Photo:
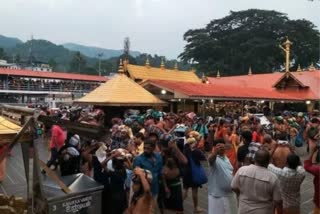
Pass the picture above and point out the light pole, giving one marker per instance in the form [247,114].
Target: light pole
[99,57]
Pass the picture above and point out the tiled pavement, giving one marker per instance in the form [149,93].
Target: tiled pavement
[15,183]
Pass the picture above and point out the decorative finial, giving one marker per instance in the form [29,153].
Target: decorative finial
[287,44]
[125,64]
[147,62]
[218,74]
[120,68]
[162,66]
[311,67]
[176,66]
[250,71]
[299,68]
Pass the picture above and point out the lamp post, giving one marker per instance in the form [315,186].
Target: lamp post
[99,57]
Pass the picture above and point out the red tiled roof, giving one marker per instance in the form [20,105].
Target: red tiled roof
[311,79]
[51,75]
[199,90]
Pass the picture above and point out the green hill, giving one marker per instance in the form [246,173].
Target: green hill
[45,51]
[94,51]
[6,42]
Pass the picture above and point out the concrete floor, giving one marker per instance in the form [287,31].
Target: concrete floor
[15,183]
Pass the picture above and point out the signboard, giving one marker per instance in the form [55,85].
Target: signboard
[83,204]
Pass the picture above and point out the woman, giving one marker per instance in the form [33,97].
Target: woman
[193,154]
[172,186]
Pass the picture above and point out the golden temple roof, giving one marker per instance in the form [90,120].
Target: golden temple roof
[145,73]
[7,127]
[120,91]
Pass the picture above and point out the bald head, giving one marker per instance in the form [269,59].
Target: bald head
[267,138]
[262,158]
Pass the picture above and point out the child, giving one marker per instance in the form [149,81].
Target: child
[142,201]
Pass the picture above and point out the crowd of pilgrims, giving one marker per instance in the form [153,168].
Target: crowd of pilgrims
[151,163]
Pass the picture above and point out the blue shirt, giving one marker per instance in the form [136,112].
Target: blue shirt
[154,165]
[220,177]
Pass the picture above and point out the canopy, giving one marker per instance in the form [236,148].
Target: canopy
[120,91]
[7,127]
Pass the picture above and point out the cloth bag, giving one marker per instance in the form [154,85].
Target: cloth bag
[199,176]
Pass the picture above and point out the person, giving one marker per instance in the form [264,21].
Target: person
[243,150]
[268,143]
[139,144]
[172,186]
[141,201]
[221,199]
[313,130]
[58,137]
[257,188]
[70,157]
[152,161]
[312,167]
[291,178]
[170,195]
[193,154]
[201,128]
[281,151]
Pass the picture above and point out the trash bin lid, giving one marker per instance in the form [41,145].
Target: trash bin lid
[77,183]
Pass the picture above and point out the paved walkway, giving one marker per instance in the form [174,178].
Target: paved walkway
[15,183]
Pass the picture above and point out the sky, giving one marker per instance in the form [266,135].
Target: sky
[153,26]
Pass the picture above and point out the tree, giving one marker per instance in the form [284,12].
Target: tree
[78,63]
[2,53]
[250,38]
[53,64]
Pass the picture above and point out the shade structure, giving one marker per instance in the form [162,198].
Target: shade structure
[120,91]
[7,127]
[8,130]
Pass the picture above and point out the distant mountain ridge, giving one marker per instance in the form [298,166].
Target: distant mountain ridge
[91,51]
[8,42]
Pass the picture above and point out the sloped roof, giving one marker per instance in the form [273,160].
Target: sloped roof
[7,127]
[255,80]
[51,75]
[146,73]
[198,90]
[310,79]
[120,91]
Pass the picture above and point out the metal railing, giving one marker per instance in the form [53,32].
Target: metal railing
[47,88]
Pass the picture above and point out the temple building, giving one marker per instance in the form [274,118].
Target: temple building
[186,91]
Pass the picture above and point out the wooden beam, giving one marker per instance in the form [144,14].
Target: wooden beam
[54,176]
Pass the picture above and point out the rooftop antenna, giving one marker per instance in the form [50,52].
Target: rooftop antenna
[30,50]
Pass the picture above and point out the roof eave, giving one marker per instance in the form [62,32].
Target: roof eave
[120,104]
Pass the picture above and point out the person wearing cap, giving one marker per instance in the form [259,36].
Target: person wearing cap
[221,199]
[142,201]
[192,152]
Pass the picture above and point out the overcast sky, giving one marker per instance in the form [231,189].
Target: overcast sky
[154,26]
